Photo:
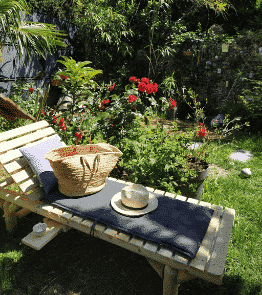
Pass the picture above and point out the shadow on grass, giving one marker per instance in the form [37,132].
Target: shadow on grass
[75,263]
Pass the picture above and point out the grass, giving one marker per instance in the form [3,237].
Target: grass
[74,263]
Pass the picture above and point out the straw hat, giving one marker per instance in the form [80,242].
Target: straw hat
[134,200]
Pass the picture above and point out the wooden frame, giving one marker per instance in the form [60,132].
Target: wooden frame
[174,267]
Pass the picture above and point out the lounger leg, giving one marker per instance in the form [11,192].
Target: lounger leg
[170,285]
[10,217]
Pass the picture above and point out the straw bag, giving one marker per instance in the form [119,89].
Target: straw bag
[82,170]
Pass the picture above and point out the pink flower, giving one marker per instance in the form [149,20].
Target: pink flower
[132,79]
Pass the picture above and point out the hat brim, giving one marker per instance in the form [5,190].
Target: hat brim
[117,205]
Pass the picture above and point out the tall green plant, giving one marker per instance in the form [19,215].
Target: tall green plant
[75,77]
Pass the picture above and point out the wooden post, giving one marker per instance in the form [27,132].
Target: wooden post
[170,285]
[10,217]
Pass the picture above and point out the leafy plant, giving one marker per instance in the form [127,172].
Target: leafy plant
[75,76]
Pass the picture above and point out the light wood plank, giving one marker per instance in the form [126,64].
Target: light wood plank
[121,181]
[157,191]
[150,189]
[37,243]
[23,130]
[181,198]
[204,252]
[29,185]
[216,263]
[193,201]
[22,175]
[10,156]
[6,182]
[170,195]
[205,204]
[21,141]
[16,165]
[14,154]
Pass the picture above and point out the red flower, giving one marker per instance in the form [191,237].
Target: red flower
[200,124]
[81,120]
[111,88]
[43,113]
[4,123]
[173,104]
[112,125]
[132,98]
[63,127]
[132,79]
[149,88]
[31,90]
[202,132]
[78,134]
[155,87]
[63,77]
[54,121]
[145,80]
[142,86]
[54,117]
[170,99]
[61,122]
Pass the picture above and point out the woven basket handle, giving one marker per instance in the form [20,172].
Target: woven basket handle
[95,166]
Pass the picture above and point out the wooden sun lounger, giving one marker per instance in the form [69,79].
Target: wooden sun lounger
[173,267]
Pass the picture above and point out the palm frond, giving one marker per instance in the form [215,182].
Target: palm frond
[36,37]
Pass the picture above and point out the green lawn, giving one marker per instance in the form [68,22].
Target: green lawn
[74,263]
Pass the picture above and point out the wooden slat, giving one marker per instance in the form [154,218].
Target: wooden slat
[29,185]
[38,243]
[22,175]
[22,130]
[170,195]
[6,182]
[193,201]
[216,263]
[16,165]
[204,252]
[10,156]
[14,154]
[21,141]
[181,198]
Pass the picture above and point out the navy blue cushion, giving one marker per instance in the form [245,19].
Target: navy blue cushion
[178,225]
[40,166]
